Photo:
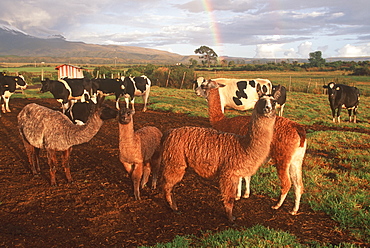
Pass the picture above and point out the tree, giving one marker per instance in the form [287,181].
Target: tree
[207,53]
[316,59]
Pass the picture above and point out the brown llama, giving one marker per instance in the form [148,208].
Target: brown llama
[44,128]
[138,150]
[287,148]
[214,154]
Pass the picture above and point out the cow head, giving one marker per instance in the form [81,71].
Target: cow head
[45,85]
[332,89]
[21,82]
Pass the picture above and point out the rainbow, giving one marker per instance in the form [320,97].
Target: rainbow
[213,23]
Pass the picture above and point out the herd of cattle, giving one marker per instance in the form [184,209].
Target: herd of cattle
[77,96]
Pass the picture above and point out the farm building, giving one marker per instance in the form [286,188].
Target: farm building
[69,71]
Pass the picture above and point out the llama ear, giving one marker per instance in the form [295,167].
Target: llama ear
[277,93]
[100,101]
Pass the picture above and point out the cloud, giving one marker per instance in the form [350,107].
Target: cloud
[305,48]
[354,51]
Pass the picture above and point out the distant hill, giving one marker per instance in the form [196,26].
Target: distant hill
[17,46]
[17,43]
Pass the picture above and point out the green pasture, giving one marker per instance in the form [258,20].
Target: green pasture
[336,167]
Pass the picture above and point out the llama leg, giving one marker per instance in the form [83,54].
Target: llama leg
[65,162]
[155,165]
[52,161]
[171,176]
[247,187]
[296,176]
[36,159]
[146,173]
[239,191]
[136,176]
[30,151]
[228,187]
[285,183]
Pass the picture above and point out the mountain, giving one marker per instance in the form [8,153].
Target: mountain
[18,46]
[14,42]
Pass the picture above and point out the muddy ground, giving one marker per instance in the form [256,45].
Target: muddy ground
[99,210]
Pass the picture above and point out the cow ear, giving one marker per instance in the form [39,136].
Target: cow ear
[221,85]
[277,92]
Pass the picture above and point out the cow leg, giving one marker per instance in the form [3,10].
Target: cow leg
[145,99]
[117,103]
[65,162]
[127,102]
[6,101]
[338,113]
[133,103]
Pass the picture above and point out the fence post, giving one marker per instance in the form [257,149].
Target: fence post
[183,78]
[168,77]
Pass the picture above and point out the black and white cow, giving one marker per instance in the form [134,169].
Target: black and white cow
[340,96]
[108,86]
[68,91]
[8,86]
[279,93]
[240,94]
[136,86]
[79,112]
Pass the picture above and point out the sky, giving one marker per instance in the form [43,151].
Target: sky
[236,28]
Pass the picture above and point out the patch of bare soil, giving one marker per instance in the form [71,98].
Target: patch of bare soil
[99,210]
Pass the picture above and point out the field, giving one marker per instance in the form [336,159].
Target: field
[99,209]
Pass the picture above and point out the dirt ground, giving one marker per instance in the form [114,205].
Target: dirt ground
[99,210]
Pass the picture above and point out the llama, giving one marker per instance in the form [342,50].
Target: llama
[215,154]
[138,150]
[44,128]
[287,148]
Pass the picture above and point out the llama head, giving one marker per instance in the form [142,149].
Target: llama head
[125,115]
[206,86]
[265,106]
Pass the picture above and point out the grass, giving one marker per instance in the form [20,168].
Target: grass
[336,167]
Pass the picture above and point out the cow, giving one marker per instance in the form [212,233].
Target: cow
[107,86]
[279,93]
[8,86]
[136,86]
[340,96]
[79,112]
[240,94]
[68,91]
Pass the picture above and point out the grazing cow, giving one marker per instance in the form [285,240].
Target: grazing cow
[240,94]
[79,112]
[8,86]
[136,86]
[279,93]
[108,86]
[68,91]
[340,96]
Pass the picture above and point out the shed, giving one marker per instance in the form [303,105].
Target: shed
[69,71]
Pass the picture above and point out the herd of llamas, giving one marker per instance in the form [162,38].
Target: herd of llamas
[232,150]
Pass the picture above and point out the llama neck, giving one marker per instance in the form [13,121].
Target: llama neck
[84,133]
[258,140]
[214,106]
[126,134]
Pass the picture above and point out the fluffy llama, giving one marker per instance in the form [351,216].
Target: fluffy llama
[138,151]
[214,154]
[44,128]
[287,148]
